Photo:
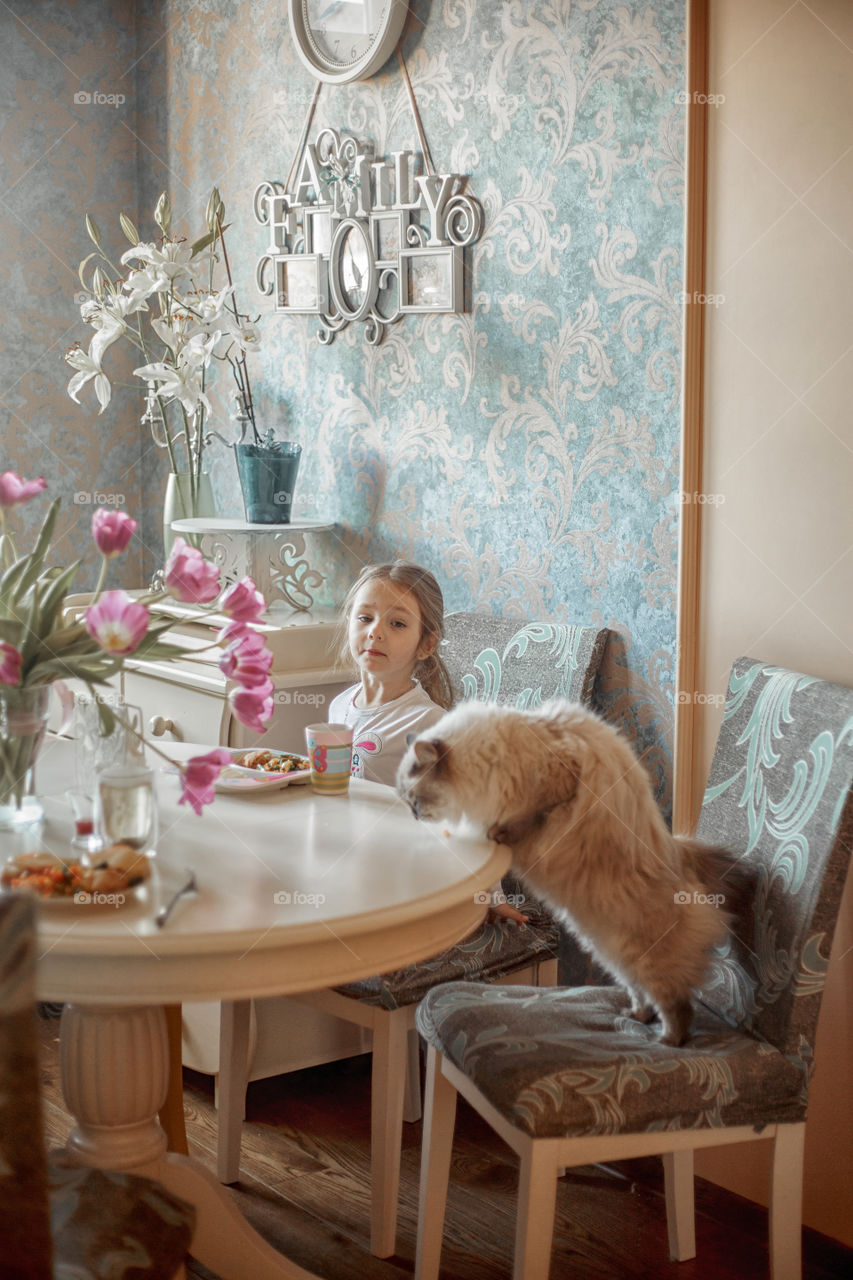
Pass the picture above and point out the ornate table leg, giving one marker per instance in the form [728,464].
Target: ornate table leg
[114,1065]
[111,1094]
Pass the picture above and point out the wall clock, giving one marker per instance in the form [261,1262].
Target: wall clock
[343,40]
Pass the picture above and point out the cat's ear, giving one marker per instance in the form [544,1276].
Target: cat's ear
[429,751]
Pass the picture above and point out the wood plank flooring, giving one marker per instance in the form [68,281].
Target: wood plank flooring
[303,1186]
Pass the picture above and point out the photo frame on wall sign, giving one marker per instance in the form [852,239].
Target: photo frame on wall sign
[360,239]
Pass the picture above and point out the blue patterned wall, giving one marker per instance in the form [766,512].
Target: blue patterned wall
[526,451]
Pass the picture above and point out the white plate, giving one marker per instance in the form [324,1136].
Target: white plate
[236,782]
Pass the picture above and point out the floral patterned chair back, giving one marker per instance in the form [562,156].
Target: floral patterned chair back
[779,793]
[520,664]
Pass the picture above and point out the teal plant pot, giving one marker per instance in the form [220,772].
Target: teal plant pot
[268,477]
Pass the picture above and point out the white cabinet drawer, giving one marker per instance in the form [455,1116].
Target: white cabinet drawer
[172,711]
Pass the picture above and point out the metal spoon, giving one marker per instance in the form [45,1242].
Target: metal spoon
[189,887]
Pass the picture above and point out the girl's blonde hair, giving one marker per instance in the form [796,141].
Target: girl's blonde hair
[431,672]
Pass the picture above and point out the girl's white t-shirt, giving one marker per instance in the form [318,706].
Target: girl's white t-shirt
[379,733]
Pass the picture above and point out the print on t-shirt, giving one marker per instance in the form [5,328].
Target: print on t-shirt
[366,742]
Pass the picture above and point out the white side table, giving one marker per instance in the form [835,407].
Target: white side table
[272,555]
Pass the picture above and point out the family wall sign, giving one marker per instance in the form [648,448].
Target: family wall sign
[361,239]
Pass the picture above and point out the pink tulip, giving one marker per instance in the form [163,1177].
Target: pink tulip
[10,664]
[253,707]
[247,662]
[14,491]
[198,778]
[243,602]
[112,531]
[189,577]
[117,622]
[234,631]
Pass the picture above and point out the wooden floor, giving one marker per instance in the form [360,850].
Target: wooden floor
[304,1176]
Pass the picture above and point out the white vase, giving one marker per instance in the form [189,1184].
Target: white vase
[178,504]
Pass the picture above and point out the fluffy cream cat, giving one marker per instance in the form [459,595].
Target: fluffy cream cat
[567,794]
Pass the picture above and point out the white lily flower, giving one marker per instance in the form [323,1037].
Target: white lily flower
[176,383]
[212,309]
[189,324]
[88,363]
[171,262]
[88,369]
[141,284]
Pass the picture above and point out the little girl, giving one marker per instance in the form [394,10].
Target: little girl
[394,619]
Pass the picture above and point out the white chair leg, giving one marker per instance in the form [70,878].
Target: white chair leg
[680,1214]
[412,1109]
[786,1203]
[537,1201]
[388,1085]
[231,1086]
[439,1118]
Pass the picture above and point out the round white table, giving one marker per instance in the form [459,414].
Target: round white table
[296,892]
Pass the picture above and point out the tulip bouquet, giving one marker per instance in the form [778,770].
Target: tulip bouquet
[40,644]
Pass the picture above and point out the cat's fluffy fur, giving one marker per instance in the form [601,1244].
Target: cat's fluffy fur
[567,794]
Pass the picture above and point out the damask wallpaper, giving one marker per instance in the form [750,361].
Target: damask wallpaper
[526,451]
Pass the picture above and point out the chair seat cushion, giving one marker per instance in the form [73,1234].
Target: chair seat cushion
[494,951]
[115,1224]
[568,1062]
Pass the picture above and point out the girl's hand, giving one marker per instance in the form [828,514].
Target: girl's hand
[504,912]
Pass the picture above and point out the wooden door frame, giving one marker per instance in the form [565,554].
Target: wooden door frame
[686,793]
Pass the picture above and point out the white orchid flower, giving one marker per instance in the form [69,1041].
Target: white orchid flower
[250,334]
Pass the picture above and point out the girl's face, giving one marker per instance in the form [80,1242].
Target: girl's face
[385,631]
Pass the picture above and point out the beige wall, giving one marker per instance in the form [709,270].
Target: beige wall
[777,549]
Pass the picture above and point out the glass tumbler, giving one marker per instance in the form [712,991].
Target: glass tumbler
[126,806]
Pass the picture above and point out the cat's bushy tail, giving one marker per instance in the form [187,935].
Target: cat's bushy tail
[722,872]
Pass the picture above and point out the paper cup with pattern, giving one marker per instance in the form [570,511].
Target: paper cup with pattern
[330,752]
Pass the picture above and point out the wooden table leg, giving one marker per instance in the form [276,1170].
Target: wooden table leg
[172,1110]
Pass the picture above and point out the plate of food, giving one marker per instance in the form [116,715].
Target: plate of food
[117,876]
[262,769]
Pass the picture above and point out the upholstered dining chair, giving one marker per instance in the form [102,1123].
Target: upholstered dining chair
[567,1078]
[58,1218]
[490,659]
